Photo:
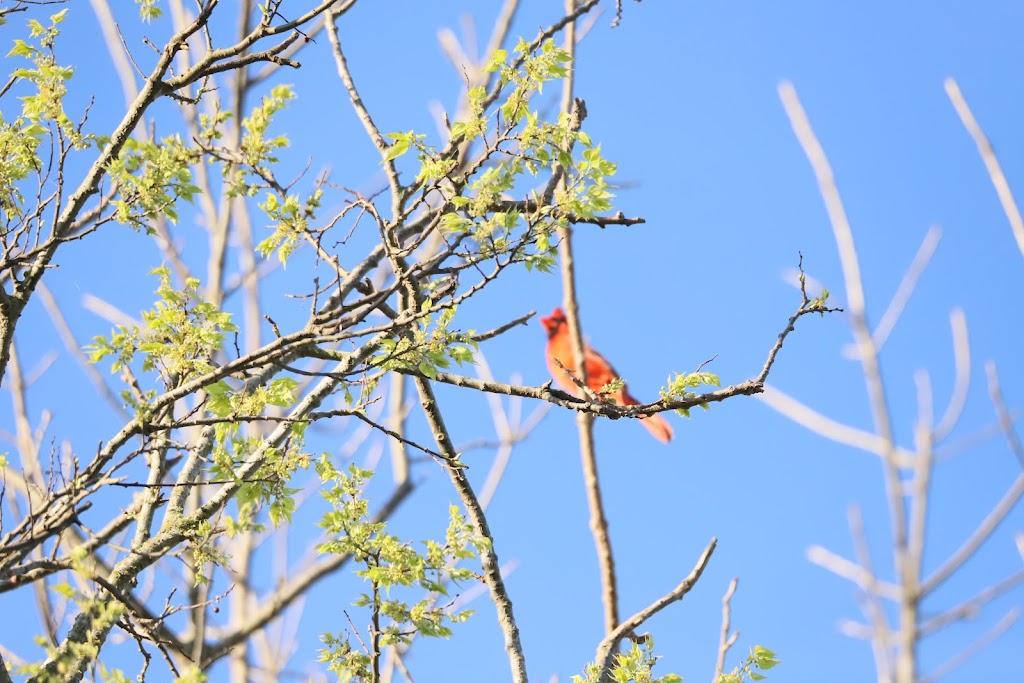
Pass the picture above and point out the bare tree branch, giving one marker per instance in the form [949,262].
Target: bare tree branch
[986,639]
[868,356]
[725,639]
[488,557]
[988,156]
[606,650]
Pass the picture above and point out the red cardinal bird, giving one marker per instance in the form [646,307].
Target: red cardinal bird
[599,372]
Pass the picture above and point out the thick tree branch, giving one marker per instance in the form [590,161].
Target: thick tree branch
[488,556]
[585,422]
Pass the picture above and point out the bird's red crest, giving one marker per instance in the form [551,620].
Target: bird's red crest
[554,321]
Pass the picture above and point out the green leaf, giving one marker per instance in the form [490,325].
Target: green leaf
[21,49]
[496,61]
[398,149]
[453,222]
[427,369]
[219,401]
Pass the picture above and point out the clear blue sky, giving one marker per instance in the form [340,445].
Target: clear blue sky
[684,97]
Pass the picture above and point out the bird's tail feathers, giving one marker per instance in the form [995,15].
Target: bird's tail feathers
[658,427]
[655,424]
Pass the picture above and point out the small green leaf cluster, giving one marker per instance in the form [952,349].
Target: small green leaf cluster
[49,78]
[211,129]
[819,303]
[478,200]
[257,148]
[180,335]
[587,192]
[289,213]
[430,346]
[205,551]
[151,177]
[350,664]
[251,170]
[59,665]
[108,675]
[402,143]
[269,485]
[290,219]
[537,67]
[192,674]
[224,400]
[390,564]
[635,666]
[540,145]
[503,233]
[612,387]
[476,124]
[680,386]
[148,10]
[433,167]
[524,143]
[760,659]
[19,157]
[21,138]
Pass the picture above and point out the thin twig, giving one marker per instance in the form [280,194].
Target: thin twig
[501,329]
[72,346]
[1000,510]
[361,111]
[881,635]
[841,433]
[986,639]
[852,572]
[919,488]
[962,377]
[906,287]
[981,534]
[995,392]
[971,608]
[113,39]
[725,639]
